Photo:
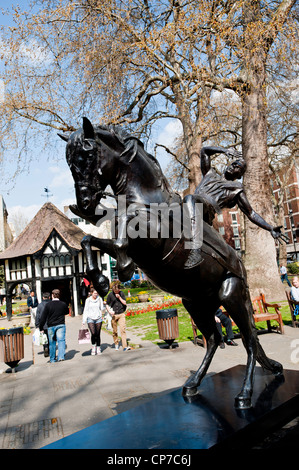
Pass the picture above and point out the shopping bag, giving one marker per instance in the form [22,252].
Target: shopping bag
[83,336]
[43,339]
[36,337]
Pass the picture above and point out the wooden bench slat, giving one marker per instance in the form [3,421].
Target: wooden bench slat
[261,313]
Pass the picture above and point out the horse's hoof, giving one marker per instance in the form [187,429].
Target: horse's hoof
[242,403]
[126,272]
[100,282]
[278,369]
[103,286]
[189,391]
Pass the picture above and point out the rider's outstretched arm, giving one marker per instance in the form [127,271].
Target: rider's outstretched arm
[255,218]
[246,208]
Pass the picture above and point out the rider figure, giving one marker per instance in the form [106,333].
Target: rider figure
[217,192]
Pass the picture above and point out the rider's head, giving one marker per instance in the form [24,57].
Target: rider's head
[235,170]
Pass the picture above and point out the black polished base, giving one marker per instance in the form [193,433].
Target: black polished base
[205,421]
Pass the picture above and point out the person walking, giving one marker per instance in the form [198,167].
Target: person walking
[116,305]
[284,275]
[32,303]
[92,314]
[40,308]
[54,316]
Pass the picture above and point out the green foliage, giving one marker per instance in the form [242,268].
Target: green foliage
[293,268]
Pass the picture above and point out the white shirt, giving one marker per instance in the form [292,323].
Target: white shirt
[295,293]
[283,270]
[93,309]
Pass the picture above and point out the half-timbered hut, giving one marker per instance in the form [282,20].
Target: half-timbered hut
[47,255]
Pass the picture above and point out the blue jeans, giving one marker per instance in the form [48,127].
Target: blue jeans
[284,277]
[57,331]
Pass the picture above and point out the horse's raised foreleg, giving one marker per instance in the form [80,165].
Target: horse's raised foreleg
[234,296]
[124,265]
[99,281]
[207,325]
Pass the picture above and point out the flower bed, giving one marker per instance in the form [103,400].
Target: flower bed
[138,309]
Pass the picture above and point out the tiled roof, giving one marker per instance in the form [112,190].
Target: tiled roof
[34,236]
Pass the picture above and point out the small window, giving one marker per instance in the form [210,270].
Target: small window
[68,259]
[237,244]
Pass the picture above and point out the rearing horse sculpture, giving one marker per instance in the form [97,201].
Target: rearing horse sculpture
[205,277]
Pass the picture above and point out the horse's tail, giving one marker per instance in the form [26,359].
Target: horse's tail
[268,364]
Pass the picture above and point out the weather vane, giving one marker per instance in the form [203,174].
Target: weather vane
[48,193]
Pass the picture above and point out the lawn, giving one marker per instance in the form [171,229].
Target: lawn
[145,324]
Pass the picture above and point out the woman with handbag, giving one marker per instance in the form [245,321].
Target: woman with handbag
[92,314]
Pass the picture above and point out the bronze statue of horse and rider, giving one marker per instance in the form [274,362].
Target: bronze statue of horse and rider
[198,266]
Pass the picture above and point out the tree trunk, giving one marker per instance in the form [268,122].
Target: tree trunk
[194,175]
[260,256]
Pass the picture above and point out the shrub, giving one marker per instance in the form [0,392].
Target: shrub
[293,268]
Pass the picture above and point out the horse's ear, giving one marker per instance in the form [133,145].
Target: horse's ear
[64,136]
[88,129]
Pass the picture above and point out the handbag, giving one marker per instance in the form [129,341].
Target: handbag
[83,336]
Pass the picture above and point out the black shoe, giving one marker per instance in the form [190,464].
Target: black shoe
[231,342]
[222,345]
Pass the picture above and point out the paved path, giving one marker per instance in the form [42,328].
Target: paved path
[43,402]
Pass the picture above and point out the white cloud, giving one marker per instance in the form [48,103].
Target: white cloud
[65,202]
[28,212]
[34,53]
[62,178]
[171,131]
[224,96]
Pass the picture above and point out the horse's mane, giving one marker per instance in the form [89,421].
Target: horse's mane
[132,146]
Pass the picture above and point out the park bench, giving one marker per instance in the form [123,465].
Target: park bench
[261,313]
[292,305]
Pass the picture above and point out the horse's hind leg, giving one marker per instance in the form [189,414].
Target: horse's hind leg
[207,325]
[235,297]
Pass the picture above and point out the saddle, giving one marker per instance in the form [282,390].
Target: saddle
[213,246]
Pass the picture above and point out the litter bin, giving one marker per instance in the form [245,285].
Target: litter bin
[168,325]
[12,346]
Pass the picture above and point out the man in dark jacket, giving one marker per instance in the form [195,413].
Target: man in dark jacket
[54,316]
[39,311]
[32,303]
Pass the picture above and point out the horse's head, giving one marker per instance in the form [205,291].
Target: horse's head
[92,163]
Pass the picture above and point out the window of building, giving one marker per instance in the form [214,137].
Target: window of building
[234,218]
[237,244]
[236,231]
[51,260]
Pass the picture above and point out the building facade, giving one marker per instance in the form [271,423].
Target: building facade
[103,231]
[290,201]
[45,256]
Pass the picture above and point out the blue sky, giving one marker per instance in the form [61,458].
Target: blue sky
[25,193]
